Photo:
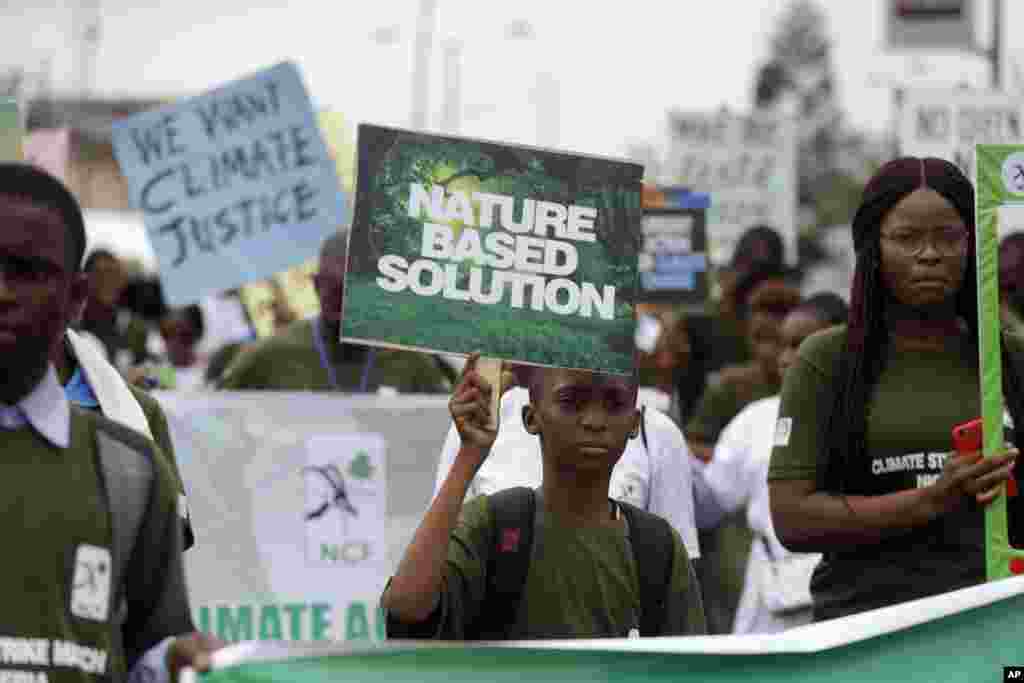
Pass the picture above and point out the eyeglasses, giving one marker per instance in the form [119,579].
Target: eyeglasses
[948,241]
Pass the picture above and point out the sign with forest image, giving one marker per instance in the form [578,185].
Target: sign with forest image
[460,245]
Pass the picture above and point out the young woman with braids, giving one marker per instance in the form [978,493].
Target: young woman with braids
[862,468]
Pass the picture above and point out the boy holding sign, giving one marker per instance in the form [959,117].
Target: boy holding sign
[585,578]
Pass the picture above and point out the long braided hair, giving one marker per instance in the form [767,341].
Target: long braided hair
[867,336]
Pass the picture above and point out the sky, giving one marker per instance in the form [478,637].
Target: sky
[591,82]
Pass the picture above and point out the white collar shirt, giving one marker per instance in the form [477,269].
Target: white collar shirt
[45,408]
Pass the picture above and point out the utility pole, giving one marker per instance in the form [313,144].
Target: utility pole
[451,110]
[995,54]
[421,63]
[86,27]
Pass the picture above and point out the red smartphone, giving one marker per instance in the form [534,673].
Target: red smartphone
[967,437]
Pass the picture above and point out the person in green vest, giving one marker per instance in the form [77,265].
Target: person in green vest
[309,356]
[92,383]
[863,468]
[81,609]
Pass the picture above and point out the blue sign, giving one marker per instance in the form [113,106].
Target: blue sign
[673,261]
[235,185]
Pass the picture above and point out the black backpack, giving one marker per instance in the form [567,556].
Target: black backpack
[509,560]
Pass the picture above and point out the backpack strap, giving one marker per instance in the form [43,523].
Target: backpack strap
[513,511]
[653,547]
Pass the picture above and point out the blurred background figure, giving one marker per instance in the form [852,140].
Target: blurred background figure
[663,356]
[776,587]
[119,331]
[182,330]
[762,299]
[718,338]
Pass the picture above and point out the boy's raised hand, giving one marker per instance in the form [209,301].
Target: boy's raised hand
[470,408]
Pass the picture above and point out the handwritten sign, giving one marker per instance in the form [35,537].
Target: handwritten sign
[235,185]
[949,123]
[461,245]
[747,164]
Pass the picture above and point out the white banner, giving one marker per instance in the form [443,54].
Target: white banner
[747,165]
[302,505]
[948,123]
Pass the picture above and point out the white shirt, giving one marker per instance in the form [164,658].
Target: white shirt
[659,481]
[737,477]
[45,408]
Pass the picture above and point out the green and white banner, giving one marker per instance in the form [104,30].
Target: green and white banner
[965,636]
[1000,204]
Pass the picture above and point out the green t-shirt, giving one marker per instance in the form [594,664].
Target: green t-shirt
[60,615]
[920,396]
[582,583]
[290,361]
[722,401]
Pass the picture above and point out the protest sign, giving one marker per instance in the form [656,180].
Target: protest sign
[235,184]
[291,291]
[10,130]
[50,150]
[1000,207]
[290,496]
[673,261]
[948,123]
[748,166]
[461,245]
[287,296]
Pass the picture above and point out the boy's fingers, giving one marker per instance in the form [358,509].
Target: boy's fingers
[470,365]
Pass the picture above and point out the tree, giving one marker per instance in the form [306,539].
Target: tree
[833,160]
[800,71]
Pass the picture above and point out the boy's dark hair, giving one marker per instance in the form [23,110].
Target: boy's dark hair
[35,186]
[536,375]
[867,335]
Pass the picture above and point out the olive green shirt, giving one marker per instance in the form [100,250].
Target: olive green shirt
[582,583]
[290,361]
[920,396]
[738,386]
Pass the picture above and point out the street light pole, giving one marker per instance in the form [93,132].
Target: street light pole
[996,53]
[421,63]
[451,112]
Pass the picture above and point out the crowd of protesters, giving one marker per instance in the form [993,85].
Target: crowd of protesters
[742,480]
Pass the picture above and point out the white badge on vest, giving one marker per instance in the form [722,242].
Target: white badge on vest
[90,587]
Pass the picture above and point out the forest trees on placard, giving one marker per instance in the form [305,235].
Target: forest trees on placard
[466,166]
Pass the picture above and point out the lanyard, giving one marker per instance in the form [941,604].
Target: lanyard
[332,372]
